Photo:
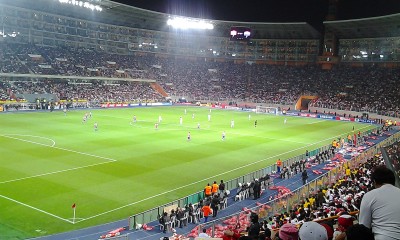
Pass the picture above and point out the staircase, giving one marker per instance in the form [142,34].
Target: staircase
[158,89]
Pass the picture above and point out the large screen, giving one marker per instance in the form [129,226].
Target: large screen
[240,33]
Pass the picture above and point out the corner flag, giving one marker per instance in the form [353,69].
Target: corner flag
[74,207]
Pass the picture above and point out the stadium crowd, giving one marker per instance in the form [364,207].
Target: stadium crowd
[394,156]
[369,89]
[314,217]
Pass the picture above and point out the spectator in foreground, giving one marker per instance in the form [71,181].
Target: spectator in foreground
[380,209]
[313,231]
[357,232]
[344,222]
[288,231]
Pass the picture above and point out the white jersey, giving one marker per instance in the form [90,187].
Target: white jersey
[180,121]
[209,117]
[232,124]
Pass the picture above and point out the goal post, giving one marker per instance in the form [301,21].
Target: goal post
[267,110]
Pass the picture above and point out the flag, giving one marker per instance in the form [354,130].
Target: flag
[74,205]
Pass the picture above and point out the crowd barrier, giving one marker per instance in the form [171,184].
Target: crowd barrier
[153,214]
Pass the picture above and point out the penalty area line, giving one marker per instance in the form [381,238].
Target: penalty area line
[37,209]
[55,172]
[109,160]
[60,148]
[205,179]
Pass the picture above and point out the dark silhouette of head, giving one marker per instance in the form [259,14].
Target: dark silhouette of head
[382,175]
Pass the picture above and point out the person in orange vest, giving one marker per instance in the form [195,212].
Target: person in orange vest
[214,188]
[207,190]
[334,144]
[206,209]
[278,165]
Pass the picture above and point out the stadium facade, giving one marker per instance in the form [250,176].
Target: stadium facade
[123,29]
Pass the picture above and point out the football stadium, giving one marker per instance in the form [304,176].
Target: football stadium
[119,122]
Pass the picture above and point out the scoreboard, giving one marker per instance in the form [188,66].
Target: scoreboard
[240,33]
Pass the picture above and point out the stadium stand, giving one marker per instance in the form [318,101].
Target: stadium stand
[211,81]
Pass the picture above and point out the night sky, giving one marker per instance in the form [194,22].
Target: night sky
[311,11]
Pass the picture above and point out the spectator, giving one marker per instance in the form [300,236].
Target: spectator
[359,232]
[380,210]
[288,231]
[304,176]
[204,234]
[221,187]
[278,165]
[312,231]
[206,212]
[207,190]
[344,222]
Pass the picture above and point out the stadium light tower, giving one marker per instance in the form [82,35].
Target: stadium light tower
[188,23]
[82,4]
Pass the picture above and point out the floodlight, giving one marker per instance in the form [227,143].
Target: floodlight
[82,4]
[186,23]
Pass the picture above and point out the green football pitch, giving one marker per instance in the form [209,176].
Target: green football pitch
[50,161]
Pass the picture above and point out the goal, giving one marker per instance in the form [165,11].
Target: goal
[268,110]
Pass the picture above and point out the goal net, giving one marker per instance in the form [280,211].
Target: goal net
[267,110]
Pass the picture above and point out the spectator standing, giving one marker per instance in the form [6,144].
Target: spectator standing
[215,201]
[304,176]
[206,211]
[207,190]
[214,188]
[257,189]
[379,209]
[278,165]
[221,187]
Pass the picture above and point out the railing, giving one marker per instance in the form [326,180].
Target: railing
[153,214]
[285,203]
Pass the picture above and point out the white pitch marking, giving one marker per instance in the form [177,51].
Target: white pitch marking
[64,149]
[23,135]
[317,122]
[212,177]
[60,171]
[51,173]
[37,209]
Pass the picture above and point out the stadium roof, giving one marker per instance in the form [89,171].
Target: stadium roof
[124,15]
[383,26]
[147,19]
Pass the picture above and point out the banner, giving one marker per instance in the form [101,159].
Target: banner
[365,120]
[308,115]
[326,117]
[292,113]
